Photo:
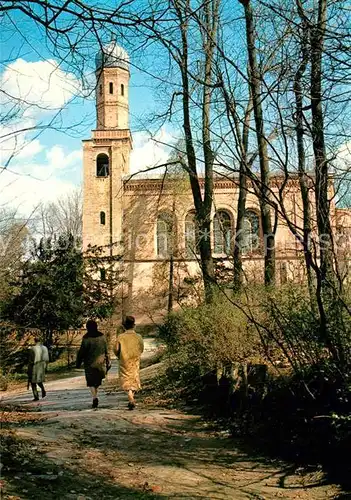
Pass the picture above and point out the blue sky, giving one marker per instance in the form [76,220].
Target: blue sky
[45,164]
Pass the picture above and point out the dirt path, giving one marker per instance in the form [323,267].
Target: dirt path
[73,452]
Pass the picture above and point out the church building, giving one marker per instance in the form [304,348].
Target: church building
[150,221]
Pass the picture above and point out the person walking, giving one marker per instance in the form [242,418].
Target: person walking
[94,353]
[128,349]
[38,362]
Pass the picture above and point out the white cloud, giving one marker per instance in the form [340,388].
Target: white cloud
[14,140]
[29,150]
[341,165]
[344,153]
[32,92]
[26,193]
[150,151]
[59,160]
[37,87]
[27,184]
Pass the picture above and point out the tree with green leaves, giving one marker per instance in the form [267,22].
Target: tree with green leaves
[59,288]
[48,293]
[102,277]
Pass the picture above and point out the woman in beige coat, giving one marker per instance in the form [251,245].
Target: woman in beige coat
[129,348]
[38,362]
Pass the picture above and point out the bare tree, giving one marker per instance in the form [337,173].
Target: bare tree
[71,32]
[61,217]
[195,92]
[14,235]
[255,86]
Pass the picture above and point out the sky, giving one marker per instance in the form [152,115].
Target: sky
[47,111]
[50,106]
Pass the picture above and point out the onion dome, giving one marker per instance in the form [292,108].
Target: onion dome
[112,56]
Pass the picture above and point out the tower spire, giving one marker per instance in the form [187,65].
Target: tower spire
[112,77]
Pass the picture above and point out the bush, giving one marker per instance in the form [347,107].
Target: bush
[14,345]
[204,339]
[306,421]
[304,412]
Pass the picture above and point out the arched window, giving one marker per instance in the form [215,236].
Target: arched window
[191,235]
[102,274]
[251,232]
[222,232]
[111,87]
[122,89]
[102,165]
[165,235]
[102,218]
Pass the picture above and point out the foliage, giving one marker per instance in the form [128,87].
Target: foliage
[306,420]
[303,412]
[290,325]
[203,339]
[100,293]
[14,235]
[48,293]
[14,344]
[59,288]
[308,408]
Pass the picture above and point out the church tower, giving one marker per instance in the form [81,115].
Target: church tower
[106,154]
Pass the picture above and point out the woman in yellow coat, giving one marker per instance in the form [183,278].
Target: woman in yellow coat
[129,348]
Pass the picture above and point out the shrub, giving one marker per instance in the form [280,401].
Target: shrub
[203,339]
[14,345]
[305,420]
[304,411]
[293,329]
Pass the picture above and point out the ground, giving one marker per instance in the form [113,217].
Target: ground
[59,448]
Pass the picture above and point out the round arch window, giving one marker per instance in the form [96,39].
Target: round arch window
[165,228]
[192,236]
[222,232]
[251,232]
[102,165]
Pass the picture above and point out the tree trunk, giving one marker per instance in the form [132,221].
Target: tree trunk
[319,150]
[264,191]
[202,216]
[237,264]
[303,180]
[209,35]
[202,206]
[327,294]
[170,287]
[171,263]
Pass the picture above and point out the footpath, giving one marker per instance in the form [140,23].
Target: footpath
[59,448]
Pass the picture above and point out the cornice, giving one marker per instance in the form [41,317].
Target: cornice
[111,134]
[144,184]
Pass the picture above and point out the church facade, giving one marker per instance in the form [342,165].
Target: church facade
[150,221]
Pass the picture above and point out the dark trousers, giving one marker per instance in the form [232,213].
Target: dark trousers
[35,390]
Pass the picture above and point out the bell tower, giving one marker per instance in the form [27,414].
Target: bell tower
[112,80]
[106,154]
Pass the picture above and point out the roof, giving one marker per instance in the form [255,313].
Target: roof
[112,55]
